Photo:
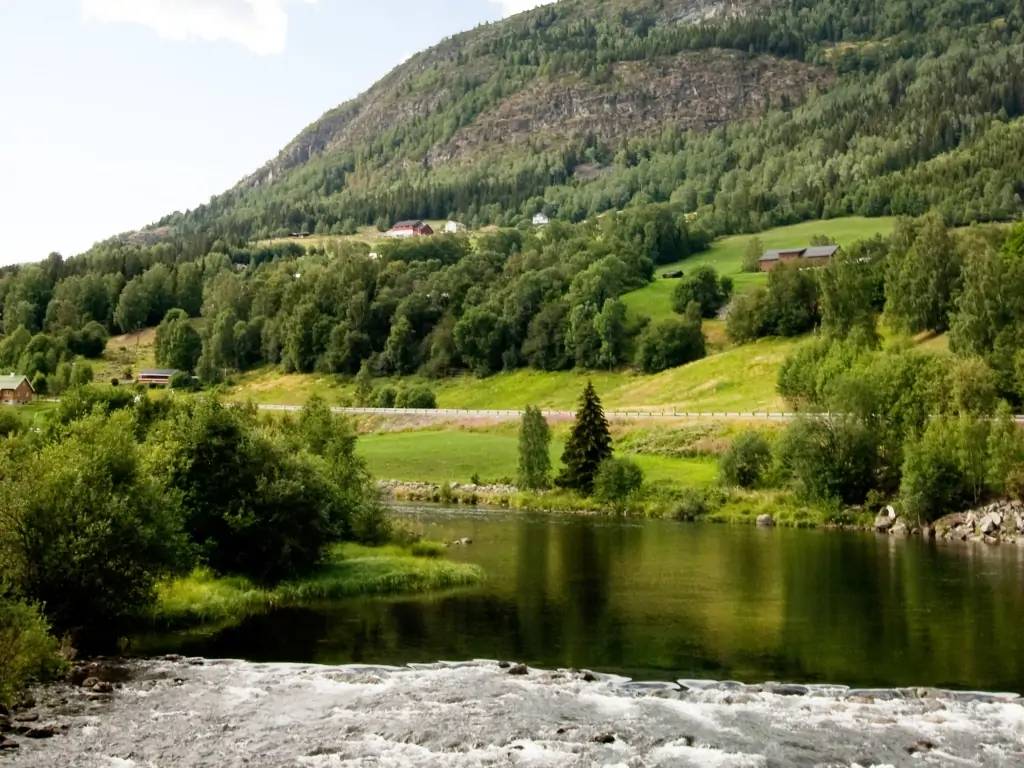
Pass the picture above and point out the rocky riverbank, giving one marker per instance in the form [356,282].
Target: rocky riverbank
[192,712]
[1001,522]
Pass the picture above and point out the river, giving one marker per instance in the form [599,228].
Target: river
[871,627]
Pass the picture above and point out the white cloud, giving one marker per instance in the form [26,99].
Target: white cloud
[259,25]
[510,7]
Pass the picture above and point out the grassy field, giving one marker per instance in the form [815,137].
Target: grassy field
[368,234]
[350,570]
[738,379]
[457,455]
[726,256]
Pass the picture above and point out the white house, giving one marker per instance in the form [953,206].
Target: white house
[541,220]
[454,227]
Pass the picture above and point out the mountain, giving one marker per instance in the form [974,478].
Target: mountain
[754,112]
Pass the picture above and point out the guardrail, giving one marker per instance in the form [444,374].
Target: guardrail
[550,414]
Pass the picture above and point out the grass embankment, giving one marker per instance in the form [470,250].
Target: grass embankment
[491,455]
[739,379]
[726,256]
[350,570]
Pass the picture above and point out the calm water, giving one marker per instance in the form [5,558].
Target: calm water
[663,600]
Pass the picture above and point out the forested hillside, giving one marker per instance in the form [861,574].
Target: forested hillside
[645,129]
[753,113]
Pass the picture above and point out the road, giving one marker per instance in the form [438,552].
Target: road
[450,414]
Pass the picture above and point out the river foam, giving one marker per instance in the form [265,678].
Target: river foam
[228,713]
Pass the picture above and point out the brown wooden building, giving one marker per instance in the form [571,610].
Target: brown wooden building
[15,389]
[813,256]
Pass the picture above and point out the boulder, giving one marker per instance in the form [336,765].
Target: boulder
[883,522]
[899,528]
[519,669]
[990,523]
[765,521]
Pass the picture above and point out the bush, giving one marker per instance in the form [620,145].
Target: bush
[10,423]
[746,460]
[88,529]
[262,507]
[616,481]
[669,344]
[385,396]
[830,458]
[705,289]
[28,652]
[182,380]
[691,505]
[416,397]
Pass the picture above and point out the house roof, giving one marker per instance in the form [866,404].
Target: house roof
[820,251]
[408,224]
[13,381]
[810,252]
[158,372]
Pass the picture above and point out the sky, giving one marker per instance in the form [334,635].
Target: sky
[116,112]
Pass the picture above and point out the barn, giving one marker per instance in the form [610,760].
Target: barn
[405,229]
[16,390]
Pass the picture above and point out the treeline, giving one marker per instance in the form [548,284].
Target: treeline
[921,117]
[439,305]
[120,491]
[934,432]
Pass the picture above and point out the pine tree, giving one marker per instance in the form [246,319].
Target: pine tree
[534,453]
[589,444]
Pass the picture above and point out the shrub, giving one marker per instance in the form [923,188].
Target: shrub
[692,504]
[416,397]
[181,380]
[385,396]
[262,507]
[704,288]
[669,344]
[428,549]
[534,450]
[830,458]
[10,423]
[746,460]
[88,529]
[616,481]
[28,652]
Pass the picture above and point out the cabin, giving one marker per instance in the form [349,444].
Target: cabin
[157,377]
[404,229]
[541,220]
[16,390]
[454,227]
[808,256]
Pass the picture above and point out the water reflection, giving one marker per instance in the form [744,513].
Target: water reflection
[663,600]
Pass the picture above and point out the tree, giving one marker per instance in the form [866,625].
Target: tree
[610,325]
[752,255]
[132,307]
[847,288]
[705,288]
[590,443]
[922,283]
[616,481]
[831,459]
[670,343]
[534,450]
[746,460]
[400,351]
[178,344]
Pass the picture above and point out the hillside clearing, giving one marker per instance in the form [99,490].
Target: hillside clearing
[726,256]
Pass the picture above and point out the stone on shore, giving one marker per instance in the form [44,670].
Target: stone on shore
[765,521]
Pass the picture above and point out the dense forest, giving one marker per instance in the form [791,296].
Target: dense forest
[905,106]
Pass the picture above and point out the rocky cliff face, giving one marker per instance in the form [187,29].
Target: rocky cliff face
[689,90]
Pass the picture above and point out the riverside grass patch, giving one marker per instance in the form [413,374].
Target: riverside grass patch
[350,570]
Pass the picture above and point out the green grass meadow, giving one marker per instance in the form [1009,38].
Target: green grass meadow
[457,455]
[726,256]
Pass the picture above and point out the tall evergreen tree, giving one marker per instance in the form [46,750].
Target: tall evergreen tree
[589,444]
[534,450]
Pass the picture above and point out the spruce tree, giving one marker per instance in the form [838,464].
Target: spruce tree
[534,450]
[589,444]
